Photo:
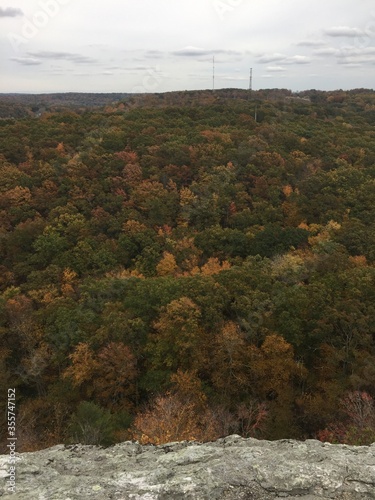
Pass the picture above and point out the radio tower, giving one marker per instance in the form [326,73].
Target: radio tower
[213,73]
[251,80]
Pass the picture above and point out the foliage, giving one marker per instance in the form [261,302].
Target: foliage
[91,425]
[359,425]
[171,261]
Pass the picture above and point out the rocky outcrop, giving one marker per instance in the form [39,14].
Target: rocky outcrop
[231,468]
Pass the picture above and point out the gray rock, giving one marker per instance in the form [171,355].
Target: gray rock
[231,468]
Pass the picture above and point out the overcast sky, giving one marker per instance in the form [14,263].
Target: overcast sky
[162,45]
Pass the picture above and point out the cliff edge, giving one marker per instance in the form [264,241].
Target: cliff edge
[231,468]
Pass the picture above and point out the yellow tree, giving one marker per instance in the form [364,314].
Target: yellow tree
[108,376]
[68,281]
[83,368]
[181,414]
[167,266]
[213,266]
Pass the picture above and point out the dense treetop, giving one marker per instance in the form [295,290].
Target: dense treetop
[201,253]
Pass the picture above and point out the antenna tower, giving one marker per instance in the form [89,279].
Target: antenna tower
[213,73]
[251,79]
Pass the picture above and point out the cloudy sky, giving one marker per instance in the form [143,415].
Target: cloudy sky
[162,45]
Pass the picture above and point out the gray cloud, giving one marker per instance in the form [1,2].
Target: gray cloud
[351,65]
[272,75]
[228,52]
[64,56]
[26,61]
[311,43]
[355,61]
[343,31]
[10,12]
[191,52]
[154,54]
[354,51]
[327,51]
[359,59]
[266,59]
[138,68]
[275,69]
[234,78]
[349,55]
[281,58]
[297,59]
[198,52]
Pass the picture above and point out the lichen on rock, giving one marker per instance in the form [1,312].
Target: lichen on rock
[232,468]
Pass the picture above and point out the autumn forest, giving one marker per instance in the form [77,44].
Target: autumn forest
[188,265]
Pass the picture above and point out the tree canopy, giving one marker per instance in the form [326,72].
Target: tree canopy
[178,252]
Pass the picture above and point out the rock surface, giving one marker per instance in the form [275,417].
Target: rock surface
[231,468]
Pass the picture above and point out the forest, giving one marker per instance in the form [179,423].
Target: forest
[188,265]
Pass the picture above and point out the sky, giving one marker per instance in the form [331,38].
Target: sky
[166,45]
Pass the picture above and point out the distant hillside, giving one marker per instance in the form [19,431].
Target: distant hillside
[23,105]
